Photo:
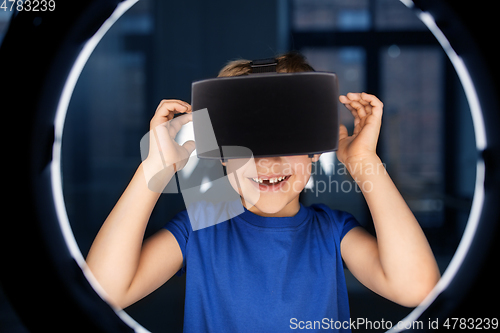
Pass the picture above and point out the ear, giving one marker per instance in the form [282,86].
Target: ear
[315,158]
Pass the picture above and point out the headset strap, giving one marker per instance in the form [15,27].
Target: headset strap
[264,65]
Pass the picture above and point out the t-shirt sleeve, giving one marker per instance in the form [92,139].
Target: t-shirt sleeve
[180,227]
[343,222]
[349,223]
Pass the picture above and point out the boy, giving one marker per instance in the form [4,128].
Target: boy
[278,261]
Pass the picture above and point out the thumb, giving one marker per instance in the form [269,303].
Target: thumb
[190,146]
[343,132]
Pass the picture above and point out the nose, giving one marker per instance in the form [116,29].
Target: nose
[268,164]
[264,161]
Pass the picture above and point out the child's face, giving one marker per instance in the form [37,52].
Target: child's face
[270,184]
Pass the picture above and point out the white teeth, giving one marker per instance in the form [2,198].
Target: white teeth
[270,180]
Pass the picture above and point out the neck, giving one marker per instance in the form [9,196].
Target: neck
[291,209]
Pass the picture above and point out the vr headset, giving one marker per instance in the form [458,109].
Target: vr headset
[265,113]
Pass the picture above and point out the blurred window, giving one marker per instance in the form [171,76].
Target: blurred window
[427,139]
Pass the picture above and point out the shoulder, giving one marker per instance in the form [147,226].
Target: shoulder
[334,215]
[203,214]
[340,221]
[179,225]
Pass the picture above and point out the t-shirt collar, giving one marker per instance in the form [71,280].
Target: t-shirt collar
[275,222]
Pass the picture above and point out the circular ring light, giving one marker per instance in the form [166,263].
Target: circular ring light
[42,261]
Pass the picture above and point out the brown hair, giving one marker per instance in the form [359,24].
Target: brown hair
[290,62]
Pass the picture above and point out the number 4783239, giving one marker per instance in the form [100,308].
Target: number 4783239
[28,5]
[471,323]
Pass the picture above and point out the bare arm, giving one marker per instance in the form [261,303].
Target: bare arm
[126,268]
[399,263]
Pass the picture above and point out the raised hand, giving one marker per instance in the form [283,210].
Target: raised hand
[362,144]
[165,155]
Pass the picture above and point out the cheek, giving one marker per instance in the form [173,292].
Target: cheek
[300,182]
[235,180]
[240,169]
[302,172]
[301,167]
[241,185]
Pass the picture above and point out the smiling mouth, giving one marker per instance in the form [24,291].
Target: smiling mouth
[270,180]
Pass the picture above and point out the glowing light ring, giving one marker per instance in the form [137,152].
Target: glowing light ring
[481,144]
[479,129]
[57,190]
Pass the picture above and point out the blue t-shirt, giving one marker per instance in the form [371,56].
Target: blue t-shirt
[264,274]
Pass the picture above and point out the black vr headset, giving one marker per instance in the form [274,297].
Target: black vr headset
[265,113]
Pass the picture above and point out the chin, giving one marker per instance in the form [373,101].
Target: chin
[269,206]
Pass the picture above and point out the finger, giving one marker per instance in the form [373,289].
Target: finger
[343,132]
[366,104]
[354,96]
[354,106]
[180,121]
[358,97]
[357,129]
[344,100]
[167,108]
[368,109]
[375,103]
[354,114]
[176,124]
[347,102]
[360,109]
[173,101]
[162,138]
[190,146]
[349,107]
